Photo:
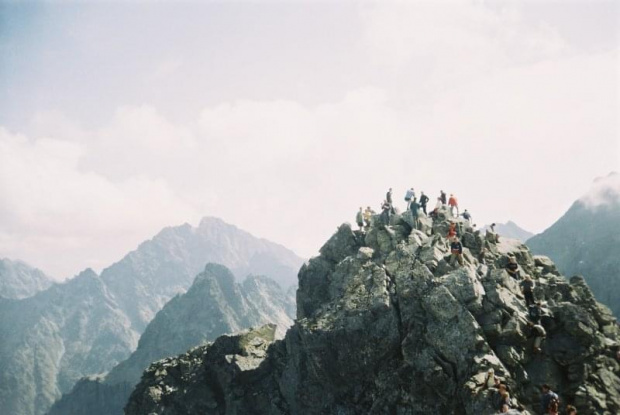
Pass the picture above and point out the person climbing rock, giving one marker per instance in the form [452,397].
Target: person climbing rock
[456,251]
[386,210]
[410,195]
[535,312]
[359,218]
[539,334]
[513,268]
[415,213]
[435,211]
[423,201]
[451,231]
[467,216]
[549,400]
[527,288]
[454,205]
[442,197]
[368,216]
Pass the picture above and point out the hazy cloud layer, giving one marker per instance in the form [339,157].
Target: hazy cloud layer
[484,102]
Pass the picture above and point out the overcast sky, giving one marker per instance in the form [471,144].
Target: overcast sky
[117,119]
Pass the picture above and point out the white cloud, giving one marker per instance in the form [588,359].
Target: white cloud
[604,191]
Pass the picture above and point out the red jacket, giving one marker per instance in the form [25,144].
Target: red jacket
[452,201]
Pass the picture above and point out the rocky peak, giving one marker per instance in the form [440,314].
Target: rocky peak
[19,280]
[385,324]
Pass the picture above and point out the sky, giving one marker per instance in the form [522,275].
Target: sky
[120,118]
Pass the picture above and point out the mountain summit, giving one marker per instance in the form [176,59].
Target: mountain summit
[385,325]
[586,240]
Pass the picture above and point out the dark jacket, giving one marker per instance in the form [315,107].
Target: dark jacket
[423,200]
[456,247]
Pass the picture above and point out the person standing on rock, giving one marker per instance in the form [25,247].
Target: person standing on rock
[549,401]
[423,201]
[409,196]
[454,205]
[442,197]
[367,216]
[513,268]
[527,288]
[388,199]
[539,333]
[386,209]
[359,218]
[456,251]
[415,212]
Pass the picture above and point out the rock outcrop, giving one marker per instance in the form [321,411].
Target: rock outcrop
[214,305]
[385,325]
[585,241]
[19,280]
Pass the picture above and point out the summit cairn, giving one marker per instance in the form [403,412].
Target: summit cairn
[386,325]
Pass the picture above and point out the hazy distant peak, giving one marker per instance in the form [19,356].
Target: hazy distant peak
[19,280]
[604,191]
[217,273]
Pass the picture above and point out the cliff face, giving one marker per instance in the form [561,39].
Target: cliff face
[386,325]
[214,305]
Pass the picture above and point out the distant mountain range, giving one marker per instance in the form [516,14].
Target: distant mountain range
[586,240]
[19,280]
[214,305]
[510,230]
[90,323]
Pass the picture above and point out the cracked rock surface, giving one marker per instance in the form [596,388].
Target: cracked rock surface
[386,326]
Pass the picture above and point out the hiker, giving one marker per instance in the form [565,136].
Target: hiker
[388,199]
[359,218]
[481,255]
[467,216]
[490,380]
[435,211]
[454,204]
[456,251]
[368,215]
[415,207]
[539,333]
[535,312]
[442,197]
[386,209]
[451,230]
[504,400]
[527,288]
[423,201]
[549,400]
[571,410]
[494,233]
[409,196]
[513,268]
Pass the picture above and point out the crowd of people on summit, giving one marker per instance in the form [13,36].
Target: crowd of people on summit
[536,313]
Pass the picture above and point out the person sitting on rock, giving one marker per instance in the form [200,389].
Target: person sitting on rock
[495,234]
[359,218]
[571,410]
[527,288]
[467,216]
[490,380]
[513,268]
[456,251]
[410,195]
[549,400]
[415,212]
[442,197]
[386,210]
[435,211]
[539,334]
[423,201]
[454,205]
[368,216]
